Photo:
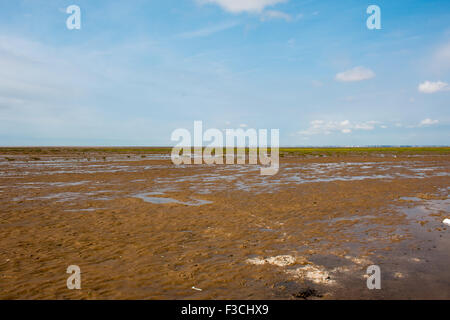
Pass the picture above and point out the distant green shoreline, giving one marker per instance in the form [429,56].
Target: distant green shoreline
[283,151]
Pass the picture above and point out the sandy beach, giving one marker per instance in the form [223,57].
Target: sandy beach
[140,227]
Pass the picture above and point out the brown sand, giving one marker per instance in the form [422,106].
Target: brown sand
[318,224]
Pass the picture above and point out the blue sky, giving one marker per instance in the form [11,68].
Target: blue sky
[137,70]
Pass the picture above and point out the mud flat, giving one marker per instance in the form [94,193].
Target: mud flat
[141,228]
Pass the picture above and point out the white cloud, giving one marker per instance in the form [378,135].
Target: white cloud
[428,122]
[355,74]
[273,14]
[424,123]
[243,125]
[370,125]
[208,30]
[432,87]
[328,127]
[238,6]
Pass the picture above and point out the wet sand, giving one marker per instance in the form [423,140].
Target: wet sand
[141,228]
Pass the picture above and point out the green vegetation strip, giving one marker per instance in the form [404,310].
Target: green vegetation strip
[283,151]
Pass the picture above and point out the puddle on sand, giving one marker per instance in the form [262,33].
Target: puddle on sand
[67,196]
[39,185]
[148,197]
[83,210]
[411,199]
[426,207]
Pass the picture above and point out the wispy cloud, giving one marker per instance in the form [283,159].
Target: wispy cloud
[317,83]
[441,58]
[329,127]
[428,122]
[433,87]
[355,74]
[424,123]
[205,32]
[238,6]
[273,14]
[40,103]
